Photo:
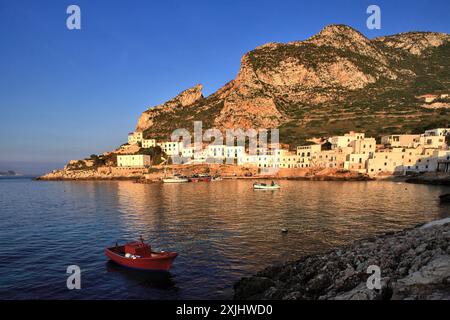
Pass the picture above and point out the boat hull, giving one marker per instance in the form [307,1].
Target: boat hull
[169,180]
[160,261]
[260,187]
[200,179]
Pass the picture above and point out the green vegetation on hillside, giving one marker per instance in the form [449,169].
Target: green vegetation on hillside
[389,105]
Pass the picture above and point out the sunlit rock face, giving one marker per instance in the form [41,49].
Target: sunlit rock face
[338,70]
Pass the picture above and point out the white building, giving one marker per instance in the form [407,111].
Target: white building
[345,140]
[334,158]
[171,148]
[135,137]
[305,156]
[290,161]
[357,162]
[133,160]
[442,132]
[433,141]
[404,160]
[148,143]
[401,140]
[216,151]
[363,146]
[308,151]
[226,154]
[266,161]
[188,152]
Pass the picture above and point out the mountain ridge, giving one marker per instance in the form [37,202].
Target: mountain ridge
[310,87]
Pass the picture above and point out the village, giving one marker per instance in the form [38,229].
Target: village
[399,154]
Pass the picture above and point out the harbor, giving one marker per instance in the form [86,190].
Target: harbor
[222,231]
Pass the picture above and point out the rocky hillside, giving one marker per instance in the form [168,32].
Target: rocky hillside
[333,82]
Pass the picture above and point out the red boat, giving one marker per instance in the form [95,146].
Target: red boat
[138,255]
[200,178]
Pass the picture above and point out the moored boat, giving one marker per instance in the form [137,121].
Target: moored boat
[139,255]
[175,179]
[265,186]
[200,178]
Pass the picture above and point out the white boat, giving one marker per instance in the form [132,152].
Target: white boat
[175,180]
[264,186]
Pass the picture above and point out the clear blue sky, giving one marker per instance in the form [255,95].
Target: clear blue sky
[67,94]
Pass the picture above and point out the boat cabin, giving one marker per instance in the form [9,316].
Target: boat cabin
[138,249]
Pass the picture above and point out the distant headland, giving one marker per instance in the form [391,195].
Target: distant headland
[8,173]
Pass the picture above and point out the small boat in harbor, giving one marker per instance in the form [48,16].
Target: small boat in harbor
[139,255]
[445,197]
[200,178]
[175,179]
[217,179]
[265,186]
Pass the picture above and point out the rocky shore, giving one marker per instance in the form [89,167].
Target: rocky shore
[434,178]
[226,171]
[90,174]
[414,264]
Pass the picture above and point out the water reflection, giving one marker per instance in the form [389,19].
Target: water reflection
[228,219]
[152,279]
[221,230]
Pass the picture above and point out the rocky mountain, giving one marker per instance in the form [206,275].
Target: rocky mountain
[335,81]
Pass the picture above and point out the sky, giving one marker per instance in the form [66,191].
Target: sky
[66,94]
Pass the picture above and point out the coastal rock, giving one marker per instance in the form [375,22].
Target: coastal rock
[437,178]
[414,264]
[250,288]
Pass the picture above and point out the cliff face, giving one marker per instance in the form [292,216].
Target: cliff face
[184,99]
[335,81]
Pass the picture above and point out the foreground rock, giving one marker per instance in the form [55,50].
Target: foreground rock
[415,264]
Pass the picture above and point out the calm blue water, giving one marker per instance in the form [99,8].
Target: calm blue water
[222,231]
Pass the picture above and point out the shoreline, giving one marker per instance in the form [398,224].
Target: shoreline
[149,175]
[140,180]
[442,179]
[414,264]
[147,181]
[155,175]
